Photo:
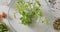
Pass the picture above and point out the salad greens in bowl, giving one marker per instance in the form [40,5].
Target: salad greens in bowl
[29,10]
[36,13]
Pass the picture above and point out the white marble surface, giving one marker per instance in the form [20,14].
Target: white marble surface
[4,2]
[56,8]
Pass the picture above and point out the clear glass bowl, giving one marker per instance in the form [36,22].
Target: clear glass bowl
[37,27]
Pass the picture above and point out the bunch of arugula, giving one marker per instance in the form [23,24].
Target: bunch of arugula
[28,10]
[3,27]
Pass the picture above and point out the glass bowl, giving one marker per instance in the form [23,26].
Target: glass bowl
[36,27]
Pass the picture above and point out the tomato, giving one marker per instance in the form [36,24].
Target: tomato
[4,15]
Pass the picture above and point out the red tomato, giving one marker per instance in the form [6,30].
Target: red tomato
[4,15]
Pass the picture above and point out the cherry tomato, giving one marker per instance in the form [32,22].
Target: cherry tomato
[4,15]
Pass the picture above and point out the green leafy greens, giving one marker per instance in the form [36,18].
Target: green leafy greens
[3,27]
[28,10]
